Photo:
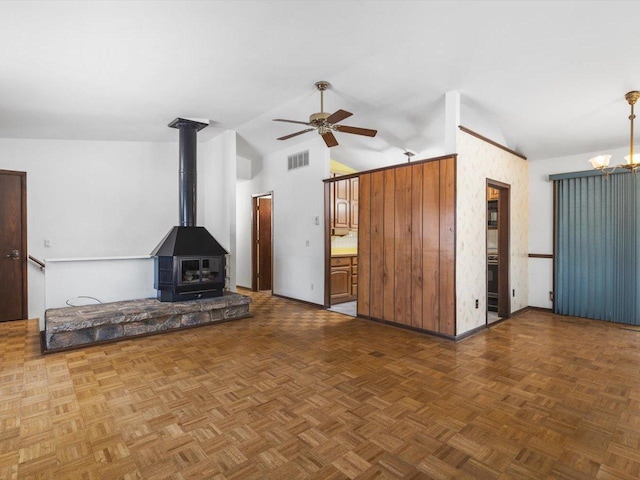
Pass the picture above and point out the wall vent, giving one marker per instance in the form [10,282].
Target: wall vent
[297,160]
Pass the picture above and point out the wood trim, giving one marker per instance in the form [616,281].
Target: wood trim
[327,245]
[25,282]
[540,309]
[317,305]
[495,144]
[553,265]
[254,240]
[470,333]
[407,327]
[389,167]
[254,243]
[521,311]
[541,255]
[23,232]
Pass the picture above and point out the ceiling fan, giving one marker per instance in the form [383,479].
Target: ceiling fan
[325,123]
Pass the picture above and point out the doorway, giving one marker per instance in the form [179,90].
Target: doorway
[262,243]
[13,245]
[498,254]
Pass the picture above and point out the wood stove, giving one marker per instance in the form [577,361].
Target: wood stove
[189,263]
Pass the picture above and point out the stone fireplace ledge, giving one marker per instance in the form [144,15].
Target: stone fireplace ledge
[77,326]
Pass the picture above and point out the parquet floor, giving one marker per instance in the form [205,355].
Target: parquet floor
[299,393]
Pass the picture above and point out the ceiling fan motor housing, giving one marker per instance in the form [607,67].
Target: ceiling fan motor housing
[318,117]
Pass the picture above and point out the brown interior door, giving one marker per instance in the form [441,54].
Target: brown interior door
[264,243]
[13,245]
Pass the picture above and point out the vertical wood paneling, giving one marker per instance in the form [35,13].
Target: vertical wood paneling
[406,245]
[402,252]
[417,286]
[447,247]
[431,246]
[388,276]
[377,245]
[364,246]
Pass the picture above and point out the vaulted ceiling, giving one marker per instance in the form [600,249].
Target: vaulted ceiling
[550,77]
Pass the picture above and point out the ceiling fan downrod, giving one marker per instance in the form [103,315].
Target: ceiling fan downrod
[322,86]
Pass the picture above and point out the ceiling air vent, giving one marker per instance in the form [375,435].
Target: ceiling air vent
[297,160]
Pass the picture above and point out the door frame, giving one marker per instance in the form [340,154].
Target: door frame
[504,251]
[23,230]
[254,239]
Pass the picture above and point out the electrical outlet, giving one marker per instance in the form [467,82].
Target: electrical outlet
[307,243]
[47,243]
[513,294]
[551,296]
[312,286]
[477,303]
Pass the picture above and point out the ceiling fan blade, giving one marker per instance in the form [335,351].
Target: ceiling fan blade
[357,130]
[290,121]
[296,134]
[329,139]
[338,116]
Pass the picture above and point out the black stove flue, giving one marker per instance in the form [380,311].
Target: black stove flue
[189,262]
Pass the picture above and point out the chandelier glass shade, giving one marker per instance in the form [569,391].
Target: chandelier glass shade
[601,162]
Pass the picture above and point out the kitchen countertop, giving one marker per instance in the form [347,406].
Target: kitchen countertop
[341,253]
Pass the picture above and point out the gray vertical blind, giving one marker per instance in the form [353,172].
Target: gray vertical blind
[596,260]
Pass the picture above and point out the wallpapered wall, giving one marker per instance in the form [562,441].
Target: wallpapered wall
[477,161]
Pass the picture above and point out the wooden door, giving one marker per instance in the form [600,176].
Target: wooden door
[264,243]
[13,245]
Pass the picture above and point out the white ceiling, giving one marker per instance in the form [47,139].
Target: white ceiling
[551,75]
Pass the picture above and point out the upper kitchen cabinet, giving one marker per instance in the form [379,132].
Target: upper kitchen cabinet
[344,204]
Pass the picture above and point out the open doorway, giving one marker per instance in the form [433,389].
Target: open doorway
[498,254]
[262,243]
[341,243]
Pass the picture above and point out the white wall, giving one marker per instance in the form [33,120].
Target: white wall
[477,161]
[217,193]
[298,197]
[107,199]
[541,217]
[244,173]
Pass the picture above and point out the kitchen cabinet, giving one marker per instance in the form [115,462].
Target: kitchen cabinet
[344,204]
[353,203]
[344,278]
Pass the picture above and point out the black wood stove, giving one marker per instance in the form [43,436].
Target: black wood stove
[189,262]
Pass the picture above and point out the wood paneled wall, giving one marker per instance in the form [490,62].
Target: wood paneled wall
[406,245]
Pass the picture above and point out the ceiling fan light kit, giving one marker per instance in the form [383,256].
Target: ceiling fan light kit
[601,162]
[325,123]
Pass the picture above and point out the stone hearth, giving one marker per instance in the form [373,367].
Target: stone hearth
[77,326]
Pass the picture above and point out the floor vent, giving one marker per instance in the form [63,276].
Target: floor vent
[297,160]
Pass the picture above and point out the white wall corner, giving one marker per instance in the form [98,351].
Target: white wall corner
[451,120]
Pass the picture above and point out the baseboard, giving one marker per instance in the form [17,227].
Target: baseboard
[540,309]
[470,333]
[317,305]
[409,327]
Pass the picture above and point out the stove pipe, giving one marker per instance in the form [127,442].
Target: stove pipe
[188,180]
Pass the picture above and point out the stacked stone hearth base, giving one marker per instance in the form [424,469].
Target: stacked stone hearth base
[73,327]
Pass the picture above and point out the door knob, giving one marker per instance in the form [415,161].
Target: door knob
[14,255]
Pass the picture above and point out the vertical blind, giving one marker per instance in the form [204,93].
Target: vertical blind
[596,251]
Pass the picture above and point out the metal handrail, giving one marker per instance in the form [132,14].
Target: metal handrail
[40,263]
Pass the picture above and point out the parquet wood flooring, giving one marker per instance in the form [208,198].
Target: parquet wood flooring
[300,393]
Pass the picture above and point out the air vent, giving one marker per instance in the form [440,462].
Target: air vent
[297,160]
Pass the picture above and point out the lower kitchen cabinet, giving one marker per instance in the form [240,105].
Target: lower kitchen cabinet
[344,279]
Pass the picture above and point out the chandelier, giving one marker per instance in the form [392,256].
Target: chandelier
[601,162]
